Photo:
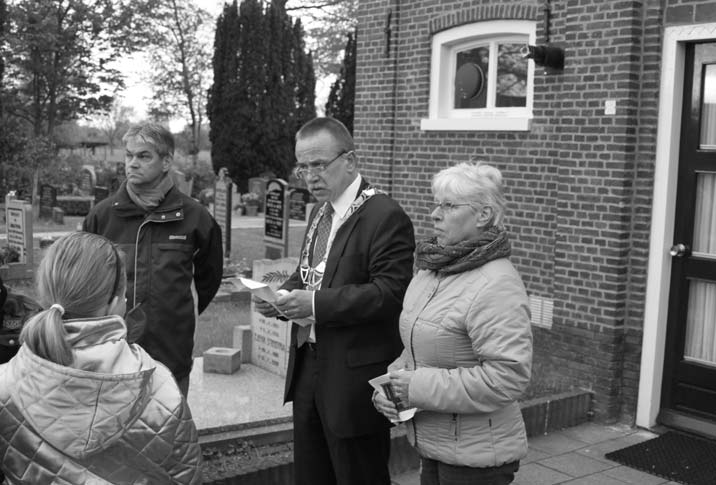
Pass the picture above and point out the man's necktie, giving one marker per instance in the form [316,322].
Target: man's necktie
[323,231]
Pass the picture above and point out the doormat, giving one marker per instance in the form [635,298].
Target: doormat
[678,457]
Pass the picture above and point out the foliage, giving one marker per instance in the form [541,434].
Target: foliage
[59,55]
[341,100]
[250,198]
[330,21]
[263,90]
[8,254]
[180,58]
[201,172]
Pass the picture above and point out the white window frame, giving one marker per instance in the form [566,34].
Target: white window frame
[445,46]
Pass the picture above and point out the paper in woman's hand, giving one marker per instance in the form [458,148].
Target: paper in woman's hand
[382,385]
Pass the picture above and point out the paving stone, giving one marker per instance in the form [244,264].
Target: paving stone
[536,474]
[596,479]
[556,443]
[595,433]
[633,476]
[575,465]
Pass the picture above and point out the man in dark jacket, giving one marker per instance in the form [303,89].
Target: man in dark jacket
[355,265]
[173,249]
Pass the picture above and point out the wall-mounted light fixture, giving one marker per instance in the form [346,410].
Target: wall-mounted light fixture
[546,56]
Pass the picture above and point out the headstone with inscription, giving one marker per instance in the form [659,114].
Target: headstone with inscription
[222,209]
[18,224]
[276,219]
[298,199]
[271,337]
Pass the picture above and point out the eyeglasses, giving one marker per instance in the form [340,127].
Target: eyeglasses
[444,206]
[302,170]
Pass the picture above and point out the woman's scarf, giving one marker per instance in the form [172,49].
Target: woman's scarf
[463,256]
[150,198]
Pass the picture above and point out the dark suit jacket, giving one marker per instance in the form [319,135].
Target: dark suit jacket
[369,266]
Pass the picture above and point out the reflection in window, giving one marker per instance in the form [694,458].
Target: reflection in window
[708,109]
[473,77]
[700,342]
[705,214]
[511,76]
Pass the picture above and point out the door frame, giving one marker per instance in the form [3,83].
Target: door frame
[671,89]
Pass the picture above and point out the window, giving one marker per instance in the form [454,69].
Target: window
[479,78]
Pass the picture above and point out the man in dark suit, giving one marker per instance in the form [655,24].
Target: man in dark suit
[347,292]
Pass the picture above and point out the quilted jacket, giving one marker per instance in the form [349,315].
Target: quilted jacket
[114,417]
[468,338]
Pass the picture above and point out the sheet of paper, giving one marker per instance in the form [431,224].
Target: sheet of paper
[264,291]
[382,385]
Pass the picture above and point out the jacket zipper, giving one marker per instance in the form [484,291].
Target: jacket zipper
[136,255]
[415,366]
[454,424]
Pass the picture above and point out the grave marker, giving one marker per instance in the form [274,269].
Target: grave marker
[276,219]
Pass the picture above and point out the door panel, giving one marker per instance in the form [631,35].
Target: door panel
[689,385]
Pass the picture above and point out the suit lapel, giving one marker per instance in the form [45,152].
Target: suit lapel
[340,240]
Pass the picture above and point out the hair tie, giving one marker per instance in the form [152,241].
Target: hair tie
[59,307]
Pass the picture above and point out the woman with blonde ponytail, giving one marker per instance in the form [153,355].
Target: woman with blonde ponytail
[78,403]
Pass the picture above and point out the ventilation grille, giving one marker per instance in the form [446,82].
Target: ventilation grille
[542,310]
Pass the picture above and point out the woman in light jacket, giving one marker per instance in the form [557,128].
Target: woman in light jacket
[78,404]
[465,326]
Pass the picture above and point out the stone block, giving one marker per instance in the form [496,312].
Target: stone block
[222,360]
[242,341]
[58,215]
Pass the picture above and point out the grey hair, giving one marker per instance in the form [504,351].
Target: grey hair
[154,134]
[478,184]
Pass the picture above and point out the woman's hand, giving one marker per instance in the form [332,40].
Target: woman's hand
[400,382]
[384,406]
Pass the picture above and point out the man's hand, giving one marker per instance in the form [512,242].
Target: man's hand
[296,304]
[264,307]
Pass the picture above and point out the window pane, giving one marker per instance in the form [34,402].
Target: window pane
[471,76]
[708,110]
[700,342]
[511,76]
[705,214]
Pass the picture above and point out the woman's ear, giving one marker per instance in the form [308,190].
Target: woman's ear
[117,306]
[485,216]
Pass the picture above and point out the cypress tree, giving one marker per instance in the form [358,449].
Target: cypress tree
[341,100]
[262,81]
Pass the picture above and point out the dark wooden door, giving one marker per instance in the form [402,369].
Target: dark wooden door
[689,386]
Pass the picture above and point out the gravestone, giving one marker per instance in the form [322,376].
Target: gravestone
[48,200]
[298,199]
[222,209]
[271,337]
[100,193]
[87,180]
[257,185]
[276,219]
[18,225]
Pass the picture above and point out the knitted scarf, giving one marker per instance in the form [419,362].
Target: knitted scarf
[463,256]
[149,198]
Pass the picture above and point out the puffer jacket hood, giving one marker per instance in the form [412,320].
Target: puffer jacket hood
[75,410]
[114,416]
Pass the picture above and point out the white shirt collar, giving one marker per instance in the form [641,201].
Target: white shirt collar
[344,201]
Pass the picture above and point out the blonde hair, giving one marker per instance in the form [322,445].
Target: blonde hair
[74,275]
[478,184]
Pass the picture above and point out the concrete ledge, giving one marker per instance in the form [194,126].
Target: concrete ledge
[222,360]
[260,453]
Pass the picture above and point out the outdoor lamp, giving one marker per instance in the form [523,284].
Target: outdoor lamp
[544,55]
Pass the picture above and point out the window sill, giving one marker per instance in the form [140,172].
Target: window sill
[521,123]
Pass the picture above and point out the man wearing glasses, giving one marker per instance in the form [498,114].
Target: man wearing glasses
[347,292]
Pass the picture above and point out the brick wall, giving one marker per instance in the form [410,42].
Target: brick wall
[579,182]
